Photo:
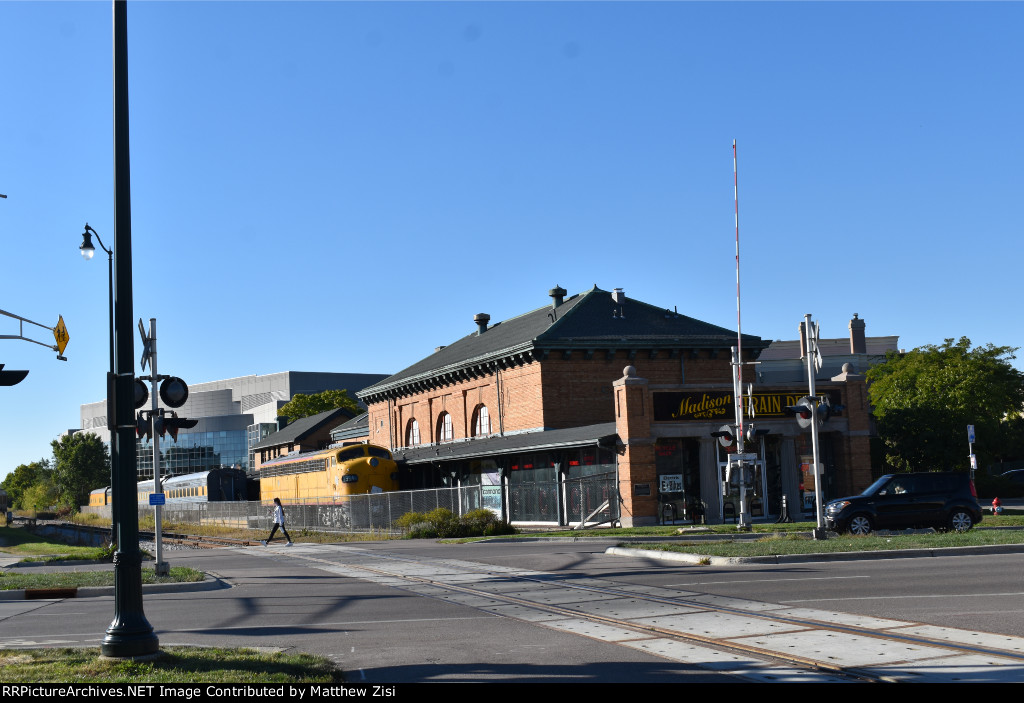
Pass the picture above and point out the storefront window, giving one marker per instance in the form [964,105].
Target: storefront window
[533,487]
[677,462]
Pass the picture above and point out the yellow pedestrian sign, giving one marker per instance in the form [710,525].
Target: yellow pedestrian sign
[60,333]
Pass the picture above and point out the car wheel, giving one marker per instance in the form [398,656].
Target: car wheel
[859,525]
[960,521]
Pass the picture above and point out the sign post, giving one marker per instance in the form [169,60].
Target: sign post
[970,450]
[149,356]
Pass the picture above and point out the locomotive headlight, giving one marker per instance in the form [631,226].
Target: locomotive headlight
[374,461]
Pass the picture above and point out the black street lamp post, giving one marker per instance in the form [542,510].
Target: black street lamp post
[88,250]
[129,634]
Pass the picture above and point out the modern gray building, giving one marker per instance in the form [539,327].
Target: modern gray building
[233,414]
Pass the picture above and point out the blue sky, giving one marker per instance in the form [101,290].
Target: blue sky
[341,186]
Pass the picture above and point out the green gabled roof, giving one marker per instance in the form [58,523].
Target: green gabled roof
[590,320]
[304,427]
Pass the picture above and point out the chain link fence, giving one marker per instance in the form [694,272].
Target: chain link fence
[592,499]
[363,513]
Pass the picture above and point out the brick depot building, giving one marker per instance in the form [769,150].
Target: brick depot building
[602,397]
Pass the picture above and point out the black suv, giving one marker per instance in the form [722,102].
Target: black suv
[942,500]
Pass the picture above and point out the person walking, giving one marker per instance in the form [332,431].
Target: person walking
[278,522]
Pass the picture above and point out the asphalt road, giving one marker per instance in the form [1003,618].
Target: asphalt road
[972,592]
[380,630]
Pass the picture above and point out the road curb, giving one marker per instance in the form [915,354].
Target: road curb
[705,559]
[210,583]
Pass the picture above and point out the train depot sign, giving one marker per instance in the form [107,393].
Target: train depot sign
[705,406]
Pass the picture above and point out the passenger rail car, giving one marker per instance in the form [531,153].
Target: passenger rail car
[329,473]
[99,497]
[215,485]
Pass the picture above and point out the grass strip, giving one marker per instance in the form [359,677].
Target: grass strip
[775,545]
[10,580]
[174,665]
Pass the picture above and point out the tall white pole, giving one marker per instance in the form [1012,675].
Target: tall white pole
[738,383]
[819,532]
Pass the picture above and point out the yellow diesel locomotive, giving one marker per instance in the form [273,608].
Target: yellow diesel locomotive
[329,474]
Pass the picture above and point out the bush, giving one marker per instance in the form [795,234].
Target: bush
[409,519]
[442,523]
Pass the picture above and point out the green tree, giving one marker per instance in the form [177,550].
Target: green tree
[41,495]
[81,463]
[22,478]
[302,405]
[924,399]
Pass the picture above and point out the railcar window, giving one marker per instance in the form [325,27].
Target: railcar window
[350,454]
[294,467]
[378,451]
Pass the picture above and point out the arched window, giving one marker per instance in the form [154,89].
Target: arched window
[481,421]
[444,428]
[412,433]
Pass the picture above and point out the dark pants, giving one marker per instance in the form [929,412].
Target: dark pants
[274,532]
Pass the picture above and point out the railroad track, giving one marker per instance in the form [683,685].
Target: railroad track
[184,539]
[764,641]
[197,541]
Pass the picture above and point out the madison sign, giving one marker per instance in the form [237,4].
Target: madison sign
[703,406]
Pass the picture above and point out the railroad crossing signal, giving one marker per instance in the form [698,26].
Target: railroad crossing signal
[147,345]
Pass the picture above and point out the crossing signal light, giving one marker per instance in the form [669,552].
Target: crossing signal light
[174,392]
[725,436]
[751,433]
[174,423]
[141,393]
[143,427]
[804,411]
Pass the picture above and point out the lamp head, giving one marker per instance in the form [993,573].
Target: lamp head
[87,248]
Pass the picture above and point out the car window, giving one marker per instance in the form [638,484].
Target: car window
[876,486]
[899,485]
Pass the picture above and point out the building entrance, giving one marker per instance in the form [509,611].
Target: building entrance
[729,508]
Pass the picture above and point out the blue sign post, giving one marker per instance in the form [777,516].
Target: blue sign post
[157,499]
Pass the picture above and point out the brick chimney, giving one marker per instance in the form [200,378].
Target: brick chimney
[857,343]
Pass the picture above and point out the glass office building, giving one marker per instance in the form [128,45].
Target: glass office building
[233,416]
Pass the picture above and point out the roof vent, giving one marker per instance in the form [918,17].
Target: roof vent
[557,295]
[481,319]
[619,298]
